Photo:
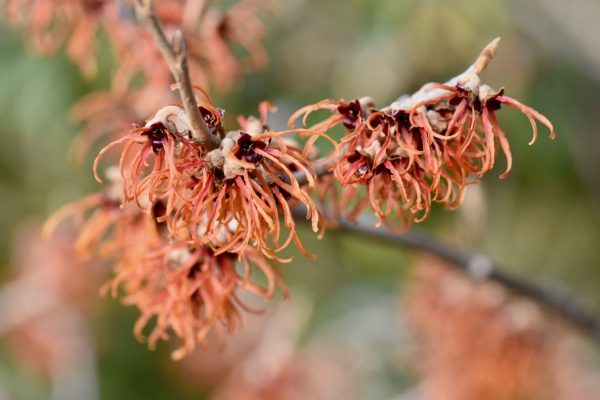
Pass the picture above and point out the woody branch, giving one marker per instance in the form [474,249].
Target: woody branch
[480,266]
[477,265]
[175,55]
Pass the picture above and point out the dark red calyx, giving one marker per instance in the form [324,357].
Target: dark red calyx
[355,156]
[159,210]
[350,111]
[417,139]
[492,104]
[210,119]
[156,133]
[194,270]
[93,6]
[246,148]
[402,118]
[224,28]
[107,202]
[380,121]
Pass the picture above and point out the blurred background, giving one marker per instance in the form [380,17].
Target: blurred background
[346,331]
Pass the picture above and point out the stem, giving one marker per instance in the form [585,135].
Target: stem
[480,266]
[175,55]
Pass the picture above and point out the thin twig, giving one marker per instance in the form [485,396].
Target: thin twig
[480,266]
[175,55]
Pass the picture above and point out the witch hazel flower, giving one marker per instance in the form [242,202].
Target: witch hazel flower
[422,149]
[231,197]
[255,175]
[375,163]
[187,288]
[460,114]
[189,291]
[73,23]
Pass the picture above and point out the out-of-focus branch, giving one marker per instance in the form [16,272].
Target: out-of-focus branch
[480,266]
[175,55]
[30,306]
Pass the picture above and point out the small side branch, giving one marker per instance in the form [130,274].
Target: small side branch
[479,266]
[175,54]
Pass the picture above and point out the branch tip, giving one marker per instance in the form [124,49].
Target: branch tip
[174,52]
[143,8]
[486,56]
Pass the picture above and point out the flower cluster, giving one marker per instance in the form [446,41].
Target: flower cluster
[227,198]
[507,347]
[176,218]
[74,23]
[193,209]
[422,149]
[222,45]
[214,35]
[188,289]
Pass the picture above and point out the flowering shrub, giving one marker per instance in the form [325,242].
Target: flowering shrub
[194,209]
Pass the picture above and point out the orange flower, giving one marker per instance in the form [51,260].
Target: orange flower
[51,24]
[422,149]
[476,341]
[189,288]
[140,83]
[175,219]
[223,32]
[229,198]
[189,291]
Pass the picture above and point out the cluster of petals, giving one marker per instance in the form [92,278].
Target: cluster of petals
[187,290]
[507,347]
[177,219]
[229,198]
[187,225]
[422,149]
[50,24]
